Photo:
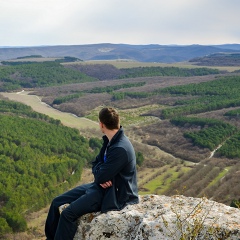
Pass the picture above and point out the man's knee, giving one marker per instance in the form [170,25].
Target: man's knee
[69,214]
[57,201]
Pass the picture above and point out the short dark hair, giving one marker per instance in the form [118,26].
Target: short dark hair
[110,118]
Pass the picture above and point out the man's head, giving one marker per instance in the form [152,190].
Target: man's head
[110,118]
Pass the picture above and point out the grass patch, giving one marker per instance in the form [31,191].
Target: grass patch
[148,174]
[163,181]
[133,64]
[219,177]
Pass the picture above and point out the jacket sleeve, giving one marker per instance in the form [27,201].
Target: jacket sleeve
[95,164]
[99,158]
[116,160]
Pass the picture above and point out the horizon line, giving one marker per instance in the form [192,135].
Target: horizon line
[87,44]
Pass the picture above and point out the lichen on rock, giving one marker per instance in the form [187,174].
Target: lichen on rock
[162,217]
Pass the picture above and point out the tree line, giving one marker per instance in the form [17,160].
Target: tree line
[165,71]
[233,113]
[59,60]
[20,109]
[212,133]
[209,96]
[17,75]
[231,148]
[38,75]
[107,89]
[218,59]
[206,96]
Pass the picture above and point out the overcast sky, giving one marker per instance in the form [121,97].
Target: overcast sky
[76,22]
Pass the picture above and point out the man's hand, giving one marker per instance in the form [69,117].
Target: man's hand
[106,184]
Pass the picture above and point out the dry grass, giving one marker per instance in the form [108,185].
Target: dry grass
[37,105]
[130,64]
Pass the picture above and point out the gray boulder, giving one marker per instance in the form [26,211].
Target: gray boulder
[161,217]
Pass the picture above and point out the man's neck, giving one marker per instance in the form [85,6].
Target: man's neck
[110,134]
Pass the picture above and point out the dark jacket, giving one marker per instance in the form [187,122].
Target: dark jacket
[120,168]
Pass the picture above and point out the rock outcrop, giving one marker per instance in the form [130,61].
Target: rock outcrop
[161,217]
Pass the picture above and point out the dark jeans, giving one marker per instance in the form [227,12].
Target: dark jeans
[83,199]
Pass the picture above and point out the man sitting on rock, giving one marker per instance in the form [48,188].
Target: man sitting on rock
[114,186]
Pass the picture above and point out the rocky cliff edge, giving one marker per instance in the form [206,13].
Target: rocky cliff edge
[161,217]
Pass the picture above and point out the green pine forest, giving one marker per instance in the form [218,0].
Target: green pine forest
[38,75]
[40,158]
[207,96]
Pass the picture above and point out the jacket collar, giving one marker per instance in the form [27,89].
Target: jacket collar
[119,133]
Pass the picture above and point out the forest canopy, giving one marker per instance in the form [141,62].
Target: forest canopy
[166,71]
[39,159]
[38,75]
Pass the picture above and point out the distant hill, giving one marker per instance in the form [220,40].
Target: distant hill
[107,51]
[218,59]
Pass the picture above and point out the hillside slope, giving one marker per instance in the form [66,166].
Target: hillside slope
[39,159]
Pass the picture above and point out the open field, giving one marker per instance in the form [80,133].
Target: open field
[158,180]
[130,64]
[37,105]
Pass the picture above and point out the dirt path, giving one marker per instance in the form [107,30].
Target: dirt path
[213,152]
